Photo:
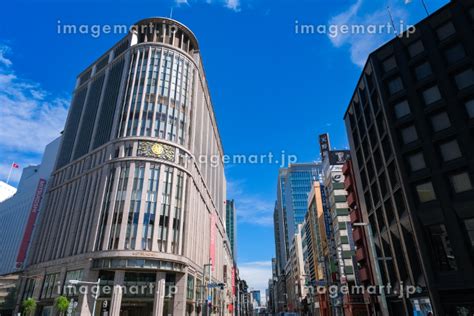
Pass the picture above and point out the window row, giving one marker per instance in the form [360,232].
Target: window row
[460,182]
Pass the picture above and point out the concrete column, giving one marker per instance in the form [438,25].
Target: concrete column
[38,286]
[159,294]
[179,302]
[86,301]
[116,300]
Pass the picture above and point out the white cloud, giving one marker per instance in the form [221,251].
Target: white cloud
[3,60]
[251,208]
[229,4]
[256,274]
[30,118]
[360,45]
[233,5]
[180,2]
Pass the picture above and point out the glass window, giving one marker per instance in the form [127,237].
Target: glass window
[425,192]
[441,248]
[395,85]
[422,71]
[469,224]
[416,48]
[417,162]
[450,150]
[190,288]
[389,64]
[445,31]
[455,53]
[402,109]
[409,134]
[461,182]
[470,108]
[440,122]
[464,79]
[199,289]
[431,95]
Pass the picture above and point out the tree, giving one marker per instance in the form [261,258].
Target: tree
[29,306]
[61,303]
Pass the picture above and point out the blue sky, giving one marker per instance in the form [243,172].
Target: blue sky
[272,89]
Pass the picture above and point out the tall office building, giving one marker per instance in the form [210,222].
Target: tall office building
[231,226]
[294,184]
[19,214]
[129,202]
[411,129]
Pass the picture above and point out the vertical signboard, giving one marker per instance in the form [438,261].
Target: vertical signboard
[30,224]
[324,145]
[233,279]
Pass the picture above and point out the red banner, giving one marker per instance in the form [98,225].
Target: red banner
[233,279]
[35,207]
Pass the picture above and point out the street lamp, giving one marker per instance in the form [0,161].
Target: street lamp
[96,295]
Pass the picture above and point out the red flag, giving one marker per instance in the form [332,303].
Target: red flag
[15,165]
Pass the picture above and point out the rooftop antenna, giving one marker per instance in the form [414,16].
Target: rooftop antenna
[171,13]
[391,19]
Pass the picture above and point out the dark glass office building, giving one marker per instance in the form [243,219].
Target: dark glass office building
[411,130]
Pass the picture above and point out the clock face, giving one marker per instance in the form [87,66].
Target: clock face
[157,149]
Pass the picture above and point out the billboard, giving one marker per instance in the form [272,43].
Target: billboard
[339,157]
[324,145]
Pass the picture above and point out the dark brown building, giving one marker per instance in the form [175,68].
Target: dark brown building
[411,130]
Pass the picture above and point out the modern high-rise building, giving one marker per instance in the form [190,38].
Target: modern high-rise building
[20,213]
[293,185]
[410,127]
[231,226]
[134,199]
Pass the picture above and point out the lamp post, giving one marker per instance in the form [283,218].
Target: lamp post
[96,295]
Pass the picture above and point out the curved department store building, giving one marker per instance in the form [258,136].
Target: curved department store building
[135,200]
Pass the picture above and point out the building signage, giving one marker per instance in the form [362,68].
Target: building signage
[339,157]
[232,275]
[340,260]
[156,150]
[35,207]
[324,145]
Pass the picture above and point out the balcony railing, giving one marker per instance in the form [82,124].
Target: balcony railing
[357,234]
[354,216]
[360,254]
